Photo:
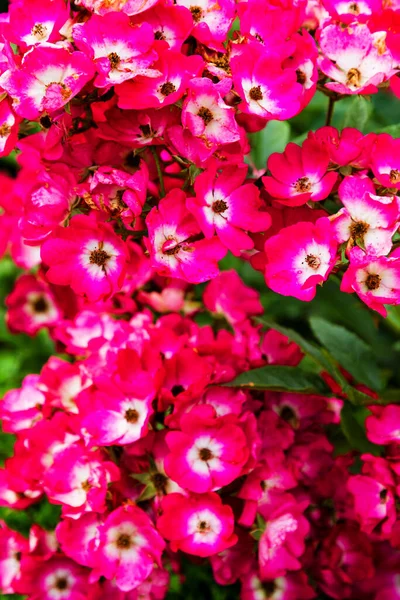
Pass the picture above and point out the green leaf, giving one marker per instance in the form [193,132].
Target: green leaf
[273,138]
[281,379]
[355,431]
[350,351]
[358,112]
[324,360]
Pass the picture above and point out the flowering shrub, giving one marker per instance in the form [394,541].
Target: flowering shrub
[180,438]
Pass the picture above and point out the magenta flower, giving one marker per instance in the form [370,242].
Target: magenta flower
[299,258]
[208,453]
[356,59]
[88,256]
[300,174]
[266,89]
[129,548]
[174,244]
[367,220]
[385,160]
[197,524]
[282,542]
[48,78]
[226,207]
[207,116]
[229,296]
[376,280]
[119,51]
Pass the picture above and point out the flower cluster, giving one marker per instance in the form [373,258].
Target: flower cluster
[130,120]
[150,457]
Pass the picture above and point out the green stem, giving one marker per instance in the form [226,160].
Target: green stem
[159,171]
[331,106]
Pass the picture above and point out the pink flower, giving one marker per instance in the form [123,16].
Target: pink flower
[130,7]
[376,280]
[78,480]
[118,193]
[299,258]
[172,243]
[129,548]
[282,542]
[170,23]
[31,306]
[279,350]
[345,148]
[229,296]
[373,504]
[207,116]
[293,586]
[176,71]
[356,59]
[9,125]
[366,219]
[300,174]
[348,11]
[119,50]
[385,160]
[48,204]
[79,538]
[12,545]
[197,524]
[208,453]
[383,426]
[224,206]
[48,78]
[36,22]
[21,408]
[88,256]
[118,414]
[211,22]
[266,89]
[58,578]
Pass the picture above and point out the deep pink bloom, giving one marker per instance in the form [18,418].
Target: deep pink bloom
[367,220]
[356,59]
[170,23]
[299,258]
[228,295]
[58,578]
[120,51]
[211,21]
[9,124]
[283,541]
[31,306]
[147,92]
[385,160]
[266,89]
[208,453]
[36,22]
[227,206]
[78,479]
[376,280]
[48,78]
[118,414]
[374,504]
[129,547]
[383,426]
[79,538]
[130,7]
[206,115]
[173,245]
[300,174]
[197,524]
[12,545]
[88,256]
